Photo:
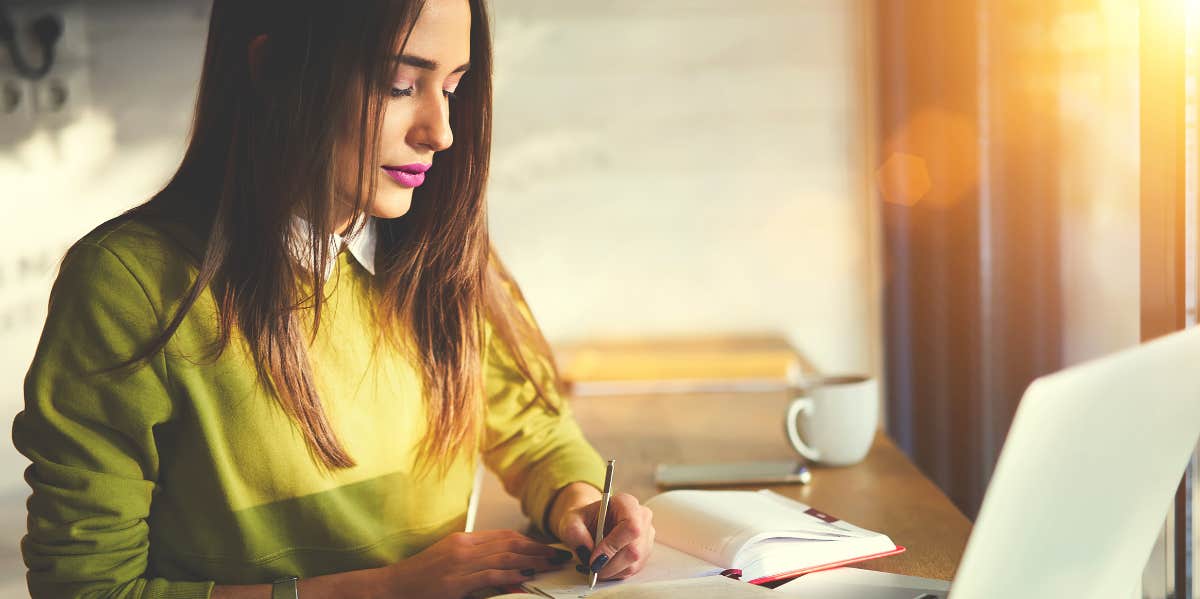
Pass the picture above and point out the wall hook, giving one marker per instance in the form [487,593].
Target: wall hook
[47,29]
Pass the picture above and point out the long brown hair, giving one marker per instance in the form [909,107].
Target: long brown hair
[260,151]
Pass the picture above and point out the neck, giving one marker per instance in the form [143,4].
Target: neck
[342,220]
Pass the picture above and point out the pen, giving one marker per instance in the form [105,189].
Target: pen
[599,536]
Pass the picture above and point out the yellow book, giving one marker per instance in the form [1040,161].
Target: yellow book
[679,365]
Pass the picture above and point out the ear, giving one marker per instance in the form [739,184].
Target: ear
[254,56]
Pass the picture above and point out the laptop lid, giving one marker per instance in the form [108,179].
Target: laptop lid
[1086,476]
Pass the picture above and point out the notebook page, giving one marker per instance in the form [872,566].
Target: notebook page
[715,525]
[664,563]
[702,523]
[711,587]
[779,550]
[774,556]
[831,525]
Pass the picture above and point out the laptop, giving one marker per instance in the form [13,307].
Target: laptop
[1084,482]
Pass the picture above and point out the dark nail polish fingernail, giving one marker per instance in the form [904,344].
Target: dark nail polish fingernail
[582,569]
[599,563]
[561,556]
[583,554]
[527,572]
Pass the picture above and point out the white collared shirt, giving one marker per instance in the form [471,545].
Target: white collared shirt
[361,245]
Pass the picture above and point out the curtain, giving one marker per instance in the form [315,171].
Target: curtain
[1030,173]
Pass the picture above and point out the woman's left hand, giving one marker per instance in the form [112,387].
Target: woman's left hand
[628,537]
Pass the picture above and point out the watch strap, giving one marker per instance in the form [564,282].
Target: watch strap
[286,588]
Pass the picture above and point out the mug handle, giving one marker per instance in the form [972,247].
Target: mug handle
[798,405]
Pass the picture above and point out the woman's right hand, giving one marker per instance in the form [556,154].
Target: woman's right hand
[462,563]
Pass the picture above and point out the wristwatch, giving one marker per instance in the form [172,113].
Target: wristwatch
[286,588]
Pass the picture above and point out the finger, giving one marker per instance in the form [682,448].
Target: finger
[560,557]
[632,523]
[483,579]
[633,556]
[518,543]
[628,557]
[640,558]
[487,536]
[623,574]
[515,561]
[621,507]
[575,534]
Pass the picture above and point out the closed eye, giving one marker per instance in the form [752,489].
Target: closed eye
[408,92]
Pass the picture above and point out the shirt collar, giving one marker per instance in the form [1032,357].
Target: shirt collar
[361,244]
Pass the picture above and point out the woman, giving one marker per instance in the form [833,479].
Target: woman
[287,362]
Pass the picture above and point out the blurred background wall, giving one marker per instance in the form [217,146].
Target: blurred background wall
[665,167]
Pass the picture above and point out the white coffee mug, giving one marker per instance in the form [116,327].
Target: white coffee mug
[834,422]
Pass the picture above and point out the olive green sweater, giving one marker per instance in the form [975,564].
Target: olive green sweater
[157,484]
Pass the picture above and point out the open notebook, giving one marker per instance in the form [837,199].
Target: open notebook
[762,533]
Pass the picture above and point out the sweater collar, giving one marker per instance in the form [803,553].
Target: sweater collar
[360,243]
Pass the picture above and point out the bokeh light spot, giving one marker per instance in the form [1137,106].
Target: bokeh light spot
[947,145]
[903,179]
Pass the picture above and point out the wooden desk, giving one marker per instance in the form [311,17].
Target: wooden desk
[885,493]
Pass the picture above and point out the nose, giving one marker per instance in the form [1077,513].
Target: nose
[431,124]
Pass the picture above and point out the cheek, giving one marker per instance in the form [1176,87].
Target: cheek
[394,129]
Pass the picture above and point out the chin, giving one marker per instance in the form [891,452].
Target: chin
[392,204]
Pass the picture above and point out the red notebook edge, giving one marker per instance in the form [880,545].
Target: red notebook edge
[809,570]
[791,574]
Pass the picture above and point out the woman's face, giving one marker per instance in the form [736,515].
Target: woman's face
[416,112]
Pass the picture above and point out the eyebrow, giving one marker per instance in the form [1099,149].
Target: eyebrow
[427,64]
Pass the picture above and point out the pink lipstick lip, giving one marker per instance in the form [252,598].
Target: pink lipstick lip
[415,168]
[405,178]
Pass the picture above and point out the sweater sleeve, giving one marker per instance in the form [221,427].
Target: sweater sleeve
[90,437]
[533,450]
